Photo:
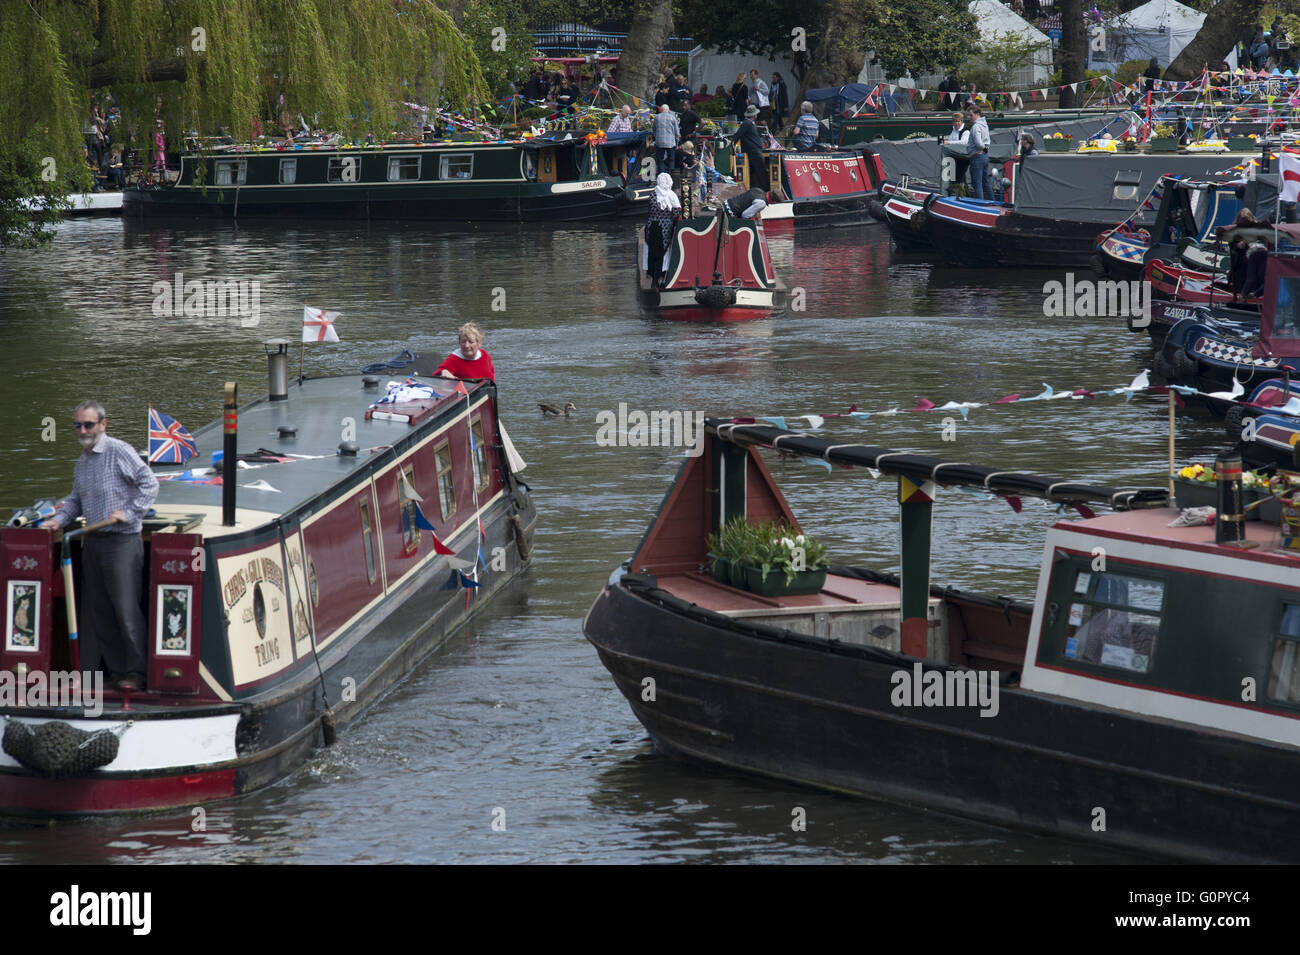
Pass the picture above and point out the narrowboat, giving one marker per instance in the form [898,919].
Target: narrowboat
[817,189]
[1190,226]
[1147,700]
[562,176]
[1215,356]
[719,270]
[903,209]
[342,539]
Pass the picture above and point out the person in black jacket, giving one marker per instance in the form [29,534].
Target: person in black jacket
[739,97]
[1152,73]
[780,97]
[689,121]
[752,144]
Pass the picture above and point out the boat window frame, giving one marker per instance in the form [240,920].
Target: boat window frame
[337,164]
[445,159]
[404,157]
[446,489]
[406,513]
[1082,564]
[241,172]
[289,163]
[368,540]
[479,455]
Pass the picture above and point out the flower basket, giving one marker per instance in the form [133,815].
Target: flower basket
[1129,145]
[1058,145]
[770,559]
[1192,493]
[1164,144]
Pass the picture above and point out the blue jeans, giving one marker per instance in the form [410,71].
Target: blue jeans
[664,159]
[980,186]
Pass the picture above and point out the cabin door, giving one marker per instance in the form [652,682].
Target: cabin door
[546,165]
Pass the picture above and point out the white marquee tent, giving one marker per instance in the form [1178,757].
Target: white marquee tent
[1160,28]
[995,20]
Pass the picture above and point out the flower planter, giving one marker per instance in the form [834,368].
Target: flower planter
[1129,146]
[1206,494]
[744,577]
[804,582]
[1164,144]
[1242,144]
[1058,145]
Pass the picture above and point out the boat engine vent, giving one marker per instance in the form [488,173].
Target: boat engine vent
[287,432]
[370,382]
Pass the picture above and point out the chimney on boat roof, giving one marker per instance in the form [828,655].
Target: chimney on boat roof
[1229,518]
[277,368]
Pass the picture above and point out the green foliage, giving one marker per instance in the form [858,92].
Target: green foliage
[503,67]
[712,108]
[1128,71]
[206,64]
[994,65]
[759,26]
[923,36]
[1055,78]
[768,546]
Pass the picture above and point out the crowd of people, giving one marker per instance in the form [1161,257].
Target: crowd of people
[1267,51]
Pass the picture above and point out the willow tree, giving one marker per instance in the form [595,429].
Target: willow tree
[205,65]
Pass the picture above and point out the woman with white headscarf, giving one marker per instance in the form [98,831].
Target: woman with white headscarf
[665,209]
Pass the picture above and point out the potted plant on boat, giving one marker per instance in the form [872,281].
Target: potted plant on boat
[771,559]
[1163,139]
[1129,144]
[1058,143]
[1243,143]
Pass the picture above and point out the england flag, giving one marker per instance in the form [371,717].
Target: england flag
[318,325]
[1289,164]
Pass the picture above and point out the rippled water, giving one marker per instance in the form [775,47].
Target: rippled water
[515,713]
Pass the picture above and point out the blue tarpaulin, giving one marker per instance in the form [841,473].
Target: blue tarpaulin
[832,102]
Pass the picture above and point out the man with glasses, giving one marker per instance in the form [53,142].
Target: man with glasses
[110,483]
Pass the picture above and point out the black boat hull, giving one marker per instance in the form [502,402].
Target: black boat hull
[815,713]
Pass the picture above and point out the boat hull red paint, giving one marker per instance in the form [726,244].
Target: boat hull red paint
[34,795]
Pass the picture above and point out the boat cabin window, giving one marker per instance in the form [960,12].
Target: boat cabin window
[344,169]
[1286,310]
[1284,670]
[288,172]
[456,166]
[1127,183]
[410,530]
[232,172]
[402,168]
[1114,619]
[481,475]
[446,486]
[368,542]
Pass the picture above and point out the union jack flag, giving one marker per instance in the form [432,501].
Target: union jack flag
[169,442]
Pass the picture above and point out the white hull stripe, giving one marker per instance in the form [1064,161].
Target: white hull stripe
[1139,699]
[685,298]
[158,744]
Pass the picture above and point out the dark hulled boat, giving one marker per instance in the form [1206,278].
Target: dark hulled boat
[1116,714]
[272,621]
[719,270]
[559,177]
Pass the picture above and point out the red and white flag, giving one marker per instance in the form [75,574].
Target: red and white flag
[318,325]
[1289,164]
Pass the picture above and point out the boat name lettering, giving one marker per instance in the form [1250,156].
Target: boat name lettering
[946,688]
[808,167]
[268,651]
[235,588]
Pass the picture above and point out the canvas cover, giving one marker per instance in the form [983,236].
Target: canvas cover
[1104,188]
[1279,326]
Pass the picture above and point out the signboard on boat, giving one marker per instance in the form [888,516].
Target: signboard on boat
[814,176]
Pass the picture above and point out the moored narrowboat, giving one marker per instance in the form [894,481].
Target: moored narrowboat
[283,592]
[562,176]
[1148,700]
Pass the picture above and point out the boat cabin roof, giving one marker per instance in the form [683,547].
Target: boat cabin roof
[293,470]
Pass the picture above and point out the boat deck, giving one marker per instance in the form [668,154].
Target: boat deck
[1152,527]
[310,462]
[838,593]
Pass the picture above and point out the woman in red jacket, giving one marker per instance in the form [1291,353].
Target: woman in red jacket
[470,360]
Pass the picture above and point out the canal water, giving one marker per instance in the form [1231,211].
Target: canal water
[514,719]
